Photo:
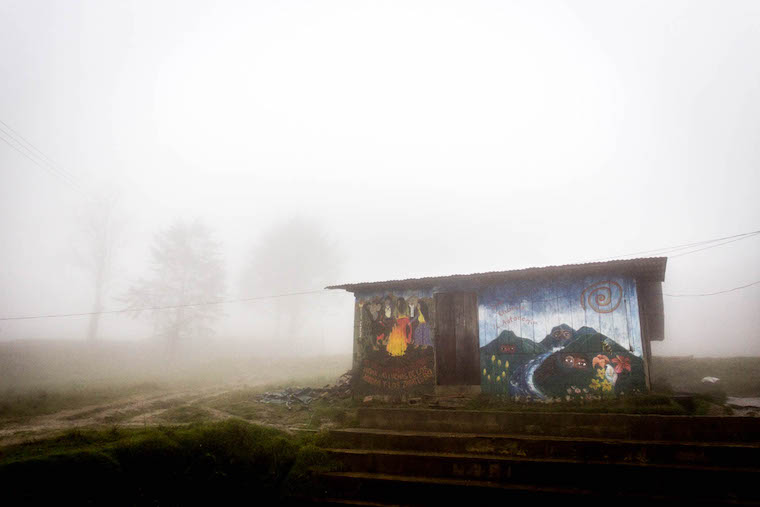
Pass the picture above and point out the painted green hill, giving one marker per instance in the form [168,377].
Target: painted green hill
[595,342]
[521,345]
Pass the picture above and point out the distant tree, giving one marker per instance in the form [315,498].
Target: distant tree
[186,269]
[291,256]
[102,228]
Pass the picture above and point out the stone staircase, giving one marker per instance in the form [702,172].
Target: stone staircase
[424,457]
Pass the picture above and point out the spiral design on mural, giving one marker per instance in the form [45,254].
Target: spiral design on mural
[602,297]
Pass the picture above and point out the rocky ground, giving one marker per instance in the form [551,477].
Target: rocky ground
[286,408]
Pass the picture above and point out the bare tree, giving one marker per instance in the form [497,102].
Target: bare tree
[291,256]
[187,274]
[102,230]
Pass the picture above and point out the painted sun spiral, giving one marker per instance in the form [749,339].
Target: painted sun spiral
[602,297]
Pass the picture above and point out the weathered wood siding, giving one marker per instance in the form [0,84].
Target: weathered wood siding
[561,338]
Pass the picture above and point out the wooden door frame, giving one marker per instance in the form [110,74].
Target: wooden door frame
[459,355]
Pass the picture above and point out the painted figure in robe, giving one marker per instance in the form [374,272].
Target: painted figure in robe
[421,329]
[401,334]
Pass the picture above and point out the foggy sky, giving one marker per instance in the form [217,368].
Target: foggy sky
[427,138]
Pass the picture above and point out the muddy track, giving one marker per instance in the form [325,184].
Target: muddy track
[133,411]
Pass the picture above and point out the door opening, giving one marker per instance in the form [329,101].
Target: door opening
[457,355]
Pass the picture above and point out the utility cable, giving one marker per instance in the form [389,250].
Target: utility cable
[708,247]
[40,153]
[681,247]
[736,237]
[168,307]
[712,293]
[71,183]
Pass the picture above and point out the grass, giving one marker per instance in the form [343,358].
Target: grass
[739,376]
[204,462]
[18,405]
[341,413]
[186,414]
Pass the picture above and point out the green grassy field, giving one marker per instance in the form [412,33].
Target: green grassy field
[212,463]
[201,433]
[739,376]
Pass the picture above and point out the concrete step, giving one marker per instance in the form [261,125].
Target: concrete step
[611,426]
[605,477]
[393,489]
[575,448]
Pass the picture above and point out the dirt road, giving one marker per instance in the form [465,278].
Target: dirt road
[166,407]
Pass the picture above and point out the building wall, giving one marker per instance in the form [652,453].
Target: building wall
[559,338]
[393,342]
[564,338]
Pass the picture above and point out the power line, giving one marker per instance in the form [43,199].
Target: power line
[259,298]
[33,160]
[711,246]
[737,237]
[681,247]
[36,159]
[168,307]
[712,293]
[40,153]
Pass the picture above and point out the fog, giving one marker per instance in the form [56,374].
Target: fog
[327,142]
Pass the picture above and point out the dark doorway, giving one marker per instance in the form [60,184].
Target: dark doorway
[457,355]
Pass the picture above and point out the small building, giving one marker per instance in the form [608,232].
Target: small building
[557,332]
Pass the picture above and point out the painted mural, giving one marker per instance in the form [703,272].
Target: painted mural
[561,340]
[394,340]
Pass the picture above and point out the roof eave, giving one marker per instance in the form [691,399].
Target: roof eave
[648,268]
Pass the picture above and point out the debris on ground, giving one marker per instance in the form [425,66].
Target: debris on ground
[710,380]
[303,396]
[748,407]
[743,402]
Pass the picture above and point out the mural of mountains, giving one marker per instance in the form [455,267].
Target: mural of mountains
[585,330]
[592,341]
[562,360]
[556,373]
[509,343]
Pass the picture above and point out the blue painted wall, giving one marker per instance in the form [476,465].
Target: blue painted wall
[558,339]
[566,338]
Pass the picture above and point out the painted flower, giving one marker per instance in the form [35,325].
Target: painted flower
[610,374]
[498,362]
[577,391]
[600,360]
[489,377]
[484,371]
[493,358]
[600,385]
[504,374]
[498,379]
[506,364]
[621,363]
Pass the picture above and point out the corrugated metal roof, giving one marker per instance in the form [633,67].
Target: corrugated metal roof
[646,268]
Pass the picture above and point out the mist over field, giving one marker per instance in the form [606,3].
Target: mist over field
[230,160]
[180,182]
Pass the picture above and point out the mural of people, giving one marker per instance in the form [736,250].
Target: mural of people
[421,330]
[368,332]
[401,334]
[384,323]
[396,331]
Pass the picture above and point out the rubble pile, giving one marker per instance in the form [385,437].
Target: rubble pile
[304,396]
